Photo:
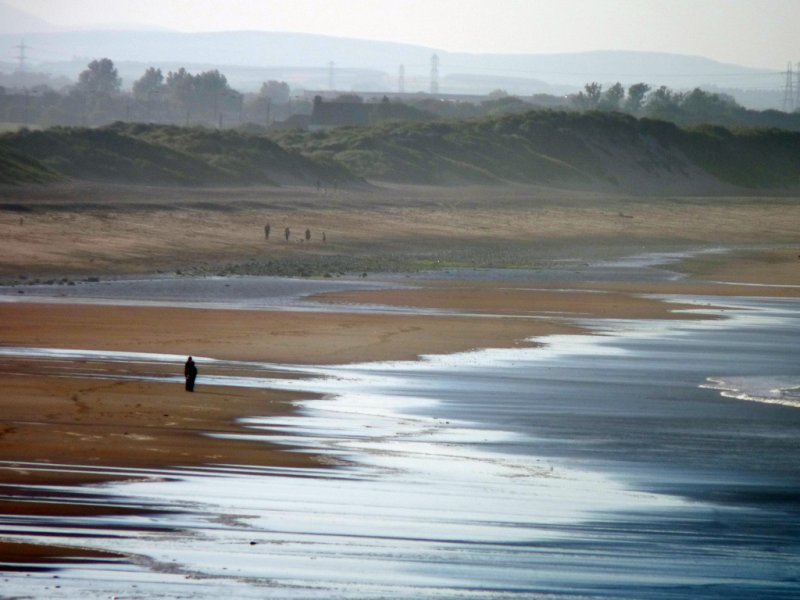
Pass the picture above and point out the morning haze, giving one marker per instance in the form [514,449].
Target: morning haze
[755,34]
[441,299]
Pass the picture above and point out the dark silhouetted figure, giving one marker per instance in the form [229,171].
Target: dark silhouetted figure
[190,372]
[287,233]
[324,237]
[308,235]
[267,229]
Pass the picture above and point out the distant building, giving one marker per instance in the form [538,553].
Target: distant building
[326,115]
[367,97]
[351,110]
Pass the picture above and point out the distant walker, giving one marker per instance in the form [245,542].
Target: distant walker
[190,372]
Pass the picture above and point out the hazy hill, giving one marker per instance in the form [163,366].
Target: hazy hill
[67,52]
[15,21]
[604,151]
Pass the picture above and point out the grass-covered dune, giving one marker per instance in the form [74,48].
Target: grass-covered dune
[20,168]
[609,150]
[166,155]
[603,151]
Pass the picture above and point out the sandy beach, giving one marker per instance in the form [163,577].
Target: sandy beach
[78,230]
[54,411]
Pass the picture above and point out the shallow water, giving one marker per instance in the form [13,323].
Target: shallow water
[597,466]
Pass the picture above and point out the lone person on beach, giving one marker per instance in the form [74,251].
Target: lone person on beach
[287,233]
[308,235]
[190,372]
[267,229]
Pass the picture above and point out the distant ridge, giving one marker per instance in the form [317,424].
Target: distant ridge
[15,21]
[301,50]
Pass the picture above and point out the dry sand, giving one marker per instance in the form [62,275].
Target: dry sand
[100,230]
[91,229]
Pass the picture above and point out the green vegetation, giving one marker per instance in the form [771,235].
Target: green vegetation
[206,99]
[557,148]
[19,168]
[605,150]
[751,158]
[684,108]
[239,156]
[167,155]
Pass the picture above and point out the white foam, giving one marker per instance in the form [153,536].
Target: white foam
[765,389]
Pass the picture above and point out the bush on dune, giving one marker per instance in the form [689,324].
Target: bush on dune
[590,149]
[19,168]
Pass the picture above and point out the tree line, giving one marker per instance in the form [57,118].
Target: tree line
[692,107]
[207,99]
[177,97]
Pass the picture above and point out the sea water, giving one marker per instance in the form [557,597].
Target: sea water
[652,461]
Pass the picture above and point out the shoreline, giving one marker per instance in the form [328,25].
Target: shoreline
[83,418]
[287,510]
[258,437]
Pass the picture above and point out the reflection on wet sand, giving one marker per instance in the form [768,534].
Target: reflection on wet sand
[432,496]
[479,474]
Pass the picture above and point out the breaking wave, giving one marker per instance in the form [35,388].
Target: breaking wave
[764,389]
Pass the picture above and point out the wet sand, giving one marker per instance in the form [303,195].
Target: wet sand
[53,415]
[57,411]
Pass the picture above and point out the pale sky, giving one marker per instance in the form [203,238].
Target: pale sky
[757,33]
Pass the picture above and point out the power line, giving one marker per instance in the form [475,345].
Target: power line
[22,57]
[788,90]
[797,88]
[434,74]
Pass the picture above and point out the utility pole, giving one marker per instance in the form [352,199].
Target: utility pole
[788,90]
[797,87]
[434,74]
[22,57]
[401,80]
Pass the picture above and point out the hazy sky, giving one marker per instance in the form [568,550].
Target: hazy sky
[759,33]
